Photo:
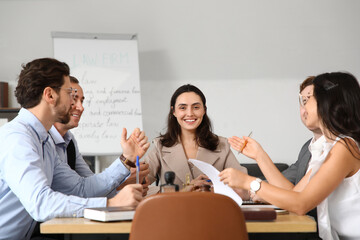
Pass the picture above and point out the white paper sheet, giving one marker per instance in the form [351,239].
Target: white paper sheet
[213,174]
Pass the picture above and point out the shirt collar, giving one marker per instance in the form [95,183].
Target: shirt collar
[34,123]
[58,139]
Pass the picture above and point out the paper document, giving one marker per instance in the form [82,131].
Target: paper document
[213,174]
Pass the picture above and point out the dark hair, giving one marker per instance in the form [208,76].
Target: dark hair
[74,80]
[307,82]
[338,103]
[36,76]
[204,136]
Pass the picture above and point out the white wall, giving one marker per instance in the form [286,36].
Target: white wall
[247,56]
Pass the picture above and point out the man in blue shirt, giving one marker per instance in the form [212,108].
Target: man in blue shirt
[62,137]
[34,183]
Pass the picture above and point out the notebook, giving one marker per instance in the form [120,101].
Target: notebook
[108,214]
[259,213]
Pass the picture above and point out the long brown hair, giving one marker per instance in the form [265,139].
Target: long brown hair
[338,105]
[204,136]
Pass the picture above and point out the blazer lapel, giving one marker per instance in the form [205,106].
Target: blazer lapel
[176,160]
[207,156]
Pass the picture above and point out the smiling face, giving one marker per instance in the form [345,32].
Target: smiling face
[189,111]
[78,108]
[75,112]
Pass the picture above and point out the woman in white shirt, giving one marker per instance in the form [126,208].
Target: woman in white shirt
[332,182]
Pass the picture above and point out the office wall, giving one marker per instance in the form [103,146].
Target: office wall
[247,56]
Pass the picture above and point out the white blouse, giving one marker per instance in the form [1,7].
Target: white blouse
[339,213]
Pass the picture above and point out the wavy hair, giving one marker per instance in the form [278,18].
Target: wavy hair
[204,136]
[35,76]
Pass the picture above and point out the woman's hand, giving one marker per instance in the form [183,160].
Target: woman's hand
[200,180]
[247,146]
[196,183]
[256,199]
[234,178]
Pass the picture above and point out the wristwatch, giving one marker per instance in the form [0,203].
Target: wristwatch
[127,163]
[255,185]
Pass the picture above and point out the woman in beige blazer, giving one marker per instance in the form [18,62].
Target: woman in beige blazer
[189,136]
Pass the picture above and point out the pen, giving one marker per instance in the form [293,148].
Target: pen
[137,170]
[245,143]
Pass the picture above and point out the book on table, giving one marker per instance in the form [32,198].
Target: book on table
[258,213]
[107,214]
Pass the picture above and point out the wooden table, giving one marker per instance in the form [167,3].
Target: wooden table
[288,223]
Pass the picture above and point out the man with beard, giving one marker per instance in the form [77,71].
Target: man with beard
[34,183]
[65,140]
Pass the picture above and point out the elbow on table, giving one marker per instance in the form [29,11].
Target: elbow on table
[39,216]
[38,213]
[38,210]
[300,212]
[301,209]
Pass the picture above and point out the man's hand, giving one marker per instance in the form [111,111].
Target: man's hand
[145,184]
[135,145]
[130,195]
[144,171]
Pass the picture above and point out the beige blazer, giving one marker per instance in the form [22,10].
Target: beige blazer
[162,159]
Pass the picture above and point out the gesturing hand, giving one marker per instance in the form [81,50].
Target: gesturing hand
[135,145]
[252,149]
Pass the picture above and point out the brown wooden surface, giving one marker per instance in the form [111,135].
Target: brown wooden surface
[284,223]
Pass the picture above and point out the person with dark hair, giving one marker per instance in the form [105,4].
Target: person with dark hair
[189,136]
[296,171]
[332,182]
[35,185]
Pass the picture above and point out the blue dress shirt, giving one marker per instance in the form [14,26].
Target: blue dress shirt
[81,167]
[61,143]
[36,184]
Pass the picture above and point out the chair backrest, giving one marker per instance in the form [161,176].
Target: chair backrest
[254,170]
[188,215]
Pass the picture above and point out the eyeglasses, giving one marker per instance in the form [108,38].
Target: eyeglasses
[71,91]
[304,99]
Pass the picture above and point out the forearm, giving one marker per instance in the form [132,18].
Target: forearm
[286,199]
[31,185]
[271,172]
[82,168]
[50,204]
[98,185]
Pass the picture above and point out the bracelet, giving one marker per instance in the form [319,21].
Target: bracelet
[128,164]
